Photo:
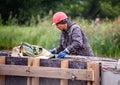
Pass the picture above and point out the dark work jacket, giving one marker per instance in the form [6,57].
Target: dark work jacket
[75,41]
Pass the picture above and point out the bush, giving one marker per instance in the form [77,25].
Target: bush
[103,39]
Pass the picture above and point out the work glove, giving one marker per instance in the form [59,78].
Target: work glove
[52,51]
[62,54]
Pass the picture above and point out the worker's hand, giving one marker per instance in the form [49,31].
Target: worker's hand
[52,51]
[62,54]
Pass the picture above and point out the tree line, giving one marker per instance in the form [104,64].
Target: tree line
[23,10]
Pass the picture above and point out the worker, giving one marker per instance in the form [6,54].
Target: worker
[96,22]
[72,39]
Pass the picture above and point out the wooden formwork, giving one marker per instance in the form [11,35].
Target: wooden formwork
[34,71]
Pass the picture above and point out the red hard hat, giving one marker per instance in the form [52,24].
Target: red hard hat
[59,16]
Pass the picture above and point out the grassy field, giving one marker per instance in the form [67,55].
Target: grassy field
[103,38]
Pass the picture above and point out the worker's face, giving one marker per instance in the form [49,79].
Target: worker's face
[61,26]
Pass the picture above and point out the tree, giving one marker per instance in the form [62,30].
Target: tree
[24,10]
[101,8]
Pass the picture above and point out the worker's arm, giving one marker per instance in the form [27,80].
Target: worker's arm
[59,49]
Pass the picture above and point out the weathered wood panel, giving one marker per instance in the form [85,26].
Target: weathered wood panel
[57,63]
[35,80]
[16,80]
[47,72]
[96,67]
[2,78]
[2,61]
[77,65]
[4,54]
[50,63]
[64,64]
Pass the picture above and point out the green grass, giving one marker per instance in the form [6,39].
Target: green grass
[11,36]
[103,39]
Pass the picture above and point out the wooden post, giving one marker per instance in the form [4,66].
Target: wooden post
[35,80]
[64,64]
[96,73]
[2,78]
[89,67]
[30,63]
[96,68]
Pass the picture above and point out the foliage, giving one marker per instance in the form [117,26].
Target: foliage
[101,8]
[24,10]
[116,37]
[38,35]
[103,38]
[109,8]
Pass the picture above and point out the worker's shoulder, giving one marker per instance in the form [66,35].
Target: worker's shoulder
[75,27]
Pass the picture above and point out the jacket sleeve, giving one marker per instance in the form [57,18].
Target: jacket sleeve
[77,39]
[59,48]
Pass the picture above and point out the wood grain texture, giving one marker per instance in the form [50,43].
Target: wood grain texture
[95,67]
[36,63]
[2,78]
[64,64]
[50,63]
[62,73]
[12,79]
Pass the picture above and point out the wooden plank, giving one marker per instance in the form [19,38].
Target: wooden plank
[96,73]
[91,58]
[2,78]
[64,64]
[2,59]
[89,67]
[77,64]
[48,72]
[30,63]
[16,80]
[96,68]
[35,80]
[50,63]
